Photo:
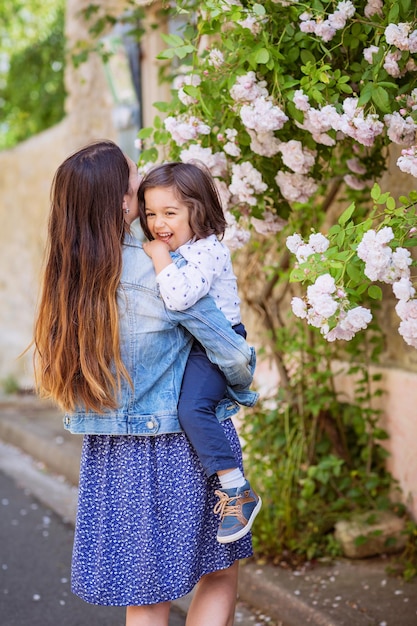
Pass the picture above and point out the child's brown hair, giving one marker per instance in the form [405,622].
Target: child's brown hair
[194,186]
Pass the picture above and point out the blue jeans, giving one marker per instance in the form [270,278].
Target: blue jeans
[203,386]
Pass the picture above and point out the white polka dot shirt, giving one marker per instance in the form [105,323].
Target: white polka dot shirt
[208,271]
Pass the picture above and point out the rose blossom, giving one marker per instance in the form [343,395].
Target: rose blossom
[391,63]
[301,100]
[246,181]
[373,7]
[397,35]
[270,223]
[403,289]
[216,162]
[368,53]
[299,307]
[295,187]
[400,130]
[235,236]
[215,58]
[293,242]
[265,144]
[247,88]
[185,129]
[407,162]
[262,115]
[297,158]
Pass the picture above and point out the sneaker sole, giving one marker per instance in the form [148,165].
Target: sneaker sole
[243,531]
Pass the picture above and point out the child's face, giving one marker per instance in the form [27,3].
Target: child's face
[167,217]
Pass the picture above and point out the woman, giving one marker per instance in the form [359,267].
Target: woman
[112,356]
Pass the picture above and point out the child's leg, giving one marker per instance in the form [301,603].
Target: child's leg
[203,387]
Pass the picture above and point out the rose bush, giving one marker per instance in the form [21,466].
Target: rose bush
[284,100]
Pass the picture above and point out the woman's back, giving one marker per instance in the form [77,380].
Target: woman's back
[154,348]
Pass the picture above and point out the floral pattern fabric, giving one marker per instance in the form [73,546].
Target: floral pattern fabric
[145,530]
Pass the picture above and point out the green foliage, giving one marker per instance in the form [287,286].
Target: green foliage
[99,23]
[286,59]
[32,93]
[10,385]
[341,261]
[315,457]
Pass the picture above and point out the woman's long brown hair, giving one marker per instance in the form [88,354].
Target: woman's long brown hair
[77,350]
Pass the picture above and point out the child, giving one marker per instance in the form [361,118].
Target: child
[180,211]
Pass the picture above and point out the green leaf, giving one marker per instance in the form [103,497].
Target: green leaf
[184,50]
[307,56]
[375,292]
[293,54]
[340,237]
[166,54]
[375,192]
[162,106]
[405,6]
[162,137]
[394,13]
[192,90]
[258,9]
[334,230]
[343,255]
[344,88]
[381,99]
[365,95]
[145,133]
[346,215]
[388,85]
[173,41]
[261,56]
[354,272]
[297,275]
[149,155]
[383,198]
[410,243]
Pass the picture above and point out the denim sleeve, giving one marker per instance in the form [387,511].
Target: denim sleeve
[224,347]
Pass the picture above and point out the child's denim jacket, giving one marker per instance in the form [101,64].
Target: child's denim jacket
[155,345]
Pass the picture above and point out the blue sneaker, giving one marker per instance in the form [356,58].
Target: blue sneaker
[237,509]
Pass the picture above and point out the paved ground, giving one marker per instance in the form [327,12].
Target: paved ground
[344,593]
[35,560]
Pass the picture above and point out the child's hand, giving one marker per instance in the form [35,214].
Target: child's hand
[158,251]
[155,247]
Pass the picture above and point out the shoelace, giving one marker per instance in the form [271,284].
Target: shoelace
[224,501]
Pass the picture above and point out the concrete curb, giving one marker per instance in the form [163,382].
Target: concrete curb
[278,601]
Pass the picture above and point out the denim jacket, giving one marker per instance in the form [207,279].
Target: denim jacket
[155,344]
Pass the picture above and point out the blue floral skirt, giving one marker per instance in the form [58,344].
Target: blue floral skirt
[145,530]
